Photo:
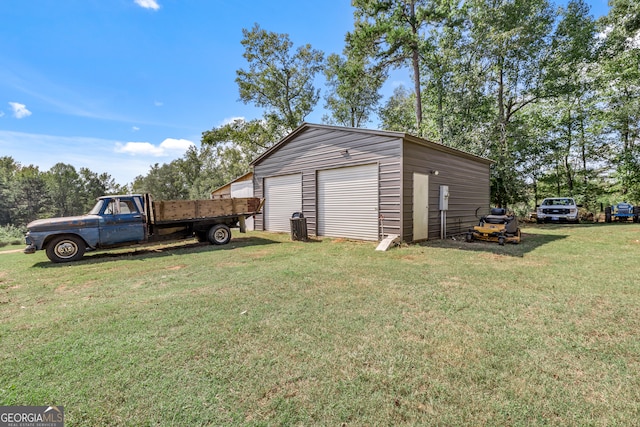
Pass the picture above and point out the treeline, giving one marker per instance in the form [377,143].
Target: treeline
[549,93]
[27,193]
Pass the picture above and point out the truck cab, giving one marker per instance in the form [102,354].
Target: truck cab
[113,221]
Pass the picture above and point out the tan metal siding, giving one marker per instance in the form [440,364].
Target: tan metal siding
[313,148]
[321,148]
[468,182]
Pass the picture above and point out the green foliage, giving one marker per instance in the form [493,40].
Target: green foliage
[398,112]
[545,94]
[619,84]
[395,33]
[164,181]
[353,89]
[11,235]
[277,79]
[28,194]
[552,97]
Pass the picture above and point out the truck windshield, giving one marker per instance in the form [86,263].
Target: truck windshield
[96,208]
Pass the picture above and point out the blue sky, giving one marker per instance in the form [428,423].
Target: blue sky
[119,85]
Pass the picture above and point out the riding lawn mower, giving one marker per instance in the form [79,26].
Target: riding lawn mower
[496,227]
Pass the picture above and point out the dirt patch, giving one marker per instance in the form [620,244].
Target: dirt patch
[12,251]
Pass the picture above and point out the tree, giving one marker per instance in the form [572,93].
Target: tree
[30,198]
[620,82]
[247,138]
[395,33]
[353,89]
[65,189]
[569,105]
[277,79]
[163,182]
[8,170]
[514,39]
[398,112]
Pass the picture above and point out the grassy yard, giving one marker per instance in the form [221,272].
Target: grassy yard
[265,331]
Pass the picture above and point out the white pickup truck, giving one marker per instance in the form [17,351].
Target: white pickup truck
[557,209]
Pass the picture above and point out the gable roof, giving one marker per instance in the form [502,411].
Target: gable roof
[246,177]
[402,135]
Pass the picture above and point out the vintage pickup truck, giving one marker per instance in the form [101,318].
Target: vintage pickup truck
[132,219]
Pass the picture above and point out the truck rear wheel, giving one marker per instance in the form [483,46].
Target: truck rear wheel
[65,249]
[219,234]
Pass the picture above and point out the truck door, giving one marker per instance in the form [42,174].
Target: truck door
[121,222]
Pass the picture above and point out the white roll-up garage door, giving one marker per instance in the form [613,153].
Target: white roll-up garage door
[348,202]
[283,197]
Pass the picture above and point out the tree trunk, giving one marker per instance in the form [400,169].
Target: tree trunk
[415,61]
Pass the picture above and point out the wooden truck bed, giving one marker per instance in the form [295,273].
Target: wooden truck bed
[165,211]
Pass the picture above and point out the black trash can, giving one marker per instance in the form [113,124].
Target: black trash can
[298,226]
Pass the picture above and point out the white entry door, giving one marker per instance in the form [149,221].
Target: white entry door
[420,206]
[348,202]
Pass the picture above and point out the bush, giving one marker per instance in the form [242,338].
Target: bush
[11,235]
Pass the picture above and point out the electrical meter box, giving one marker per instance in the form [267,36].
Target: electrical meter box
[444,197]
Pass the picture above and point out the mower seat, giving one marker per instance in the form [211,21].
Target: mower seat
[496,219]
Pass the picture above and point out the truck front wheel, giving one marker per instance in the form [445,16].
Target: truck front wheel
[219,234]
[65,249]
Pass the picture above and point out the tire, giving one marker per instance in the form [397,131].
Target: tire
[539,221]
[66,249]
[219,234]
[501,240]
[468,237]
[607,214]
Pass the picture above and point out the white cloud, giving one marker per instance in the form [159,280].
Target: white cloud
[176,145]
[603,35]
[168,147]
[158,103]
[19,110]
[148,4]
[634,42]
[231,120]
[135,128]
[1,113]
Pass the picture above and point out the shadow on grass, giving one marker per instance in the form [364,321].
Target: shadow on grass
[140,252]
[528,242]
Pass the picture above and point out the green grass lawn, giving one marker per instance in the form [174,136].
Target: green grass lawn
[265,331]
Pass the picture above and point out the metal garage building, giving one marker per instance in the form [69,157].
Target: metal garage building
[361,184]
